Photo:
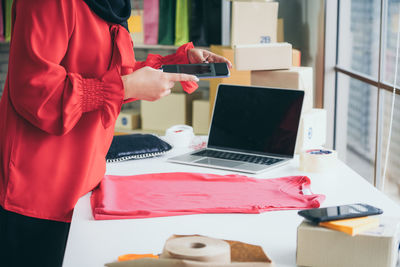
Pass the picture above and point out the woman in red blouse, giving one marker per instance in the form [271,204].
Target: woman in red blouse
[71,68]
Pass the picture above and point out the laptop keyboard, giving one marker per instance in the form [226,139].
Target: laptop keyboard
[238,157]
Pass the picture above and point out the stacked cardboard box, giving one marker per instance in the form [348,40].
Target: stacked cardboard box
[254,22]
[272,56]
[300,78]
[128,119]
[173,109]
[258,46]
[254,35]
[312,132]
[201,117]
[296,58]
[281,31]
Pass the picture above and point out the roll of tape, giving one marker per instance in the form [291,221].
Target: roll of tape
[179,135]
[199,248]
[317,160]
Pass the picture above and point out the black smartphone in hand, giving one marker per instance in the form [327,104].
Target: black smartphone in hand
[339,212]
[201,71]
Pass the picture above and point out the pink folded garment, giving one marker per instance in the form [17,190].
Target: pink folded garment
[170,194]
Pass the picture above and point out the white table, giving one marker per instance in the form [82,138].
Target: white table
[94,243]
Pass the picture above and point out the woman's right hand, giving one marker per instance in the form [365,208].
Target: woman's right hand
[152,84]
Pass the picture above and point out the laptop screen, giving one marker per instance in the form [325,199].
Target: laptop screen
[256,120]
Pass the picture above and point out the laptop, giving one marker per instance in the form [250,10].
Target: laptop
[252,129]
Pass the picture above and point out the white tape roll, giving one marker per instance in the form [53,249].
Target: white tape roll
[199,248]
[317,160]
[179,135]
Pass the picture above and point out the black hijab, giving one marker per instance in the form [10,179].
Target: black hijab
[114,11]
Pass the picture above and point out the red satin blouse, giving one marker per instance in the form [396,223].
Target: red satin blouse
[60,102]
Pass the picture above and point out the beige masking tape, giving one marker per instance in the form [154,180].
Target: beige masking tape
[317,160]
[199,248]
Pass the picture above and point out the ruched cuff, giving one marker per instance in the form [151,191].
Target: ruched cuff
[106,94]
[92,94]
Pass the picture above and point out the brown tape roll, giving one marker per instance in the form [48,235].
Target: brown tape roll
[199,248]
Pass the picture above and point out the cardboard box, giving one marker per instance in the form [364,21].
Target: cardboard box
[236,77]
[201,117]
[173,109]
[296,58]
[128,119]
[295,78]
[281,31]
[312,130]
[254,22]
[319,246]
[272,56]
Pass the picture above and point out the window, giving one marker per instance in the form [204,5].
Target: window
[365,34]
[356,124]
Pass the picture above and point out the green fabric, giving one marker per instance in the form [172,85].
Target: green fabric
[166,22]
[182,22]
[7,10]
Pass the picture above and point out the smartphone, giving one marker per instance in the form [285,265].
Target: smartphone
[202,70]
[339,212]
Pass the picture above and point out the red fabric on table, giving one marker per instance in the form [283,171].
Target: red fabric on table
[170,194]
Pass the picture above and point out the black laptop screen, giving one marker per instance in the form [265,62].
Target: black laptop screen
[256,119]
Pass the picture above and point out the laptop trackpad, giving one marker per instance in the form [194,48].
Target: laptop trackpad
[218,162]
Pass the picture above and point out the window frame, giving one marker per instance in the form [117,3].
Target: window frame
[332,69]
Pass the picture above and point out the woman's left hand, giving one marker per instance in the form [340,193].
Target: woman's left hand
[197,55]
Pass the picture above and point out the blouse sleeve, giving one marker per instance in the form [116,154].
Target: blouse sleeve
[41,90]
[180,57]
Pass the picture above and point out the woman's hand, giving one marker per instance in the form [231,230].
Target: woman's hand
[151,84]
[196,55]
